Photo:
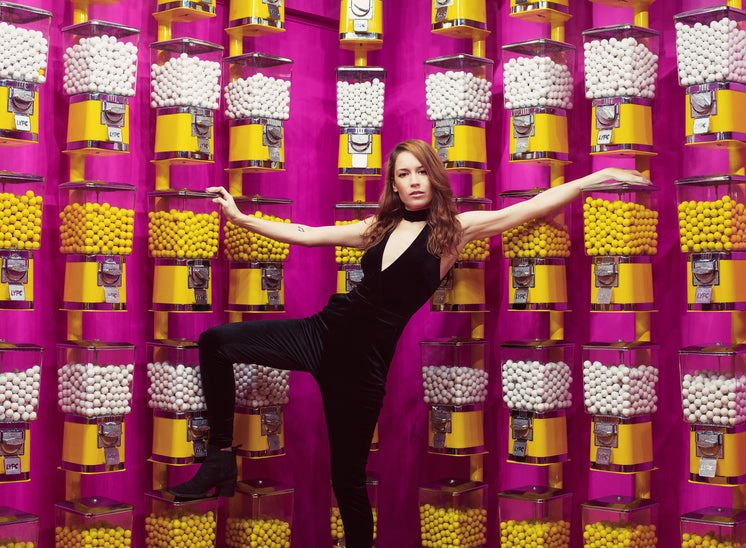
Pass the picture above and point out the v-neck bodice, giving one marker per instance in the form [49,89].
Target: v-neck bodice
[407,283]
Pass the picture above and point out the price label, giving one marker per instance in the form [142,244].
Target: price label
[203,146]
[17,292]
[12,465]
[22,122]
[603,296]
[200,296]
[115,134]
[111,295]
[604,137]
[521,296]
[359,160]
[703,294]
[521,145]
[701,125]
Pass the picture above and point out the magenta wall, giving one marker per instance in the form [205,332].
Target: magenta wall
[311,182]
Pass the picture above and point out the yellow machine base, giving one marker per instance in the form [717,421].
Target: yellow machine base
[246,145]
[536,12]
[467,292]
[82,291]
[466,436]
[729,294]
[346,159]
[550,289]
[27,303]
[84,125]
[170,441]
[549,443]
[469,147]
[635,131]
[247,432]
[171,289]
[550,135]
[730,469]
[635,290]
[245,293]
[634,451]
[183,11]
[731,104]
[80,450]
[9,134]
[173,134]
[24,473]
[467,18]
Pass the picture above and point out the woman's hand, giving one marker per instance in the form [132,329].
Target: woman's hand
[617,174]
[227,204]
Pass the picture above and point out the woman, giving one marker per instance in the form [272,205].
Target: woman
[411,244]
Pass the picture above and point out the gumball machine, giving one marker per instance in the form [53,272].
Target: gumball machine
[100,77]
[257,103]
[622,121]
[458,91]
[462,290]
[620,521]
[453,512]
[261,513]
[721,526]
[361,25]
[535,510]
[255,279]
[261,393]
[185,91]
[183,232]
[537,251]
[84,521]
[255,17]
[338,531]
[712,229]
[537,75]
[175,394]
[168,516]
[20,236]
[709,53]
[455,387]
[459,18]
[20,376]
[621,235]
[360,93]
[96,234]
[94,387]
[619,390]
[18,528]
[25,35]
[349,269]
[713,393]
[536,378]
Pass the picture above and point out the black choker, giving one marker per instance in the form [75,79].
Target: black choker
[415,216]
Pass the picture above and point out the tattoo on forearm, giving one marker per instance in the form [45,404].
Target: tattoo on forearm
[300,229]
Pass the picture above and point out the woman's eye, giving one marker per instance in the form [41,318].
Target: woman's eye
[402,174]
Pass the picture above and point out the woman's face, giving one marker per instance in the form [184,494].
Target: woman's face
[411,182]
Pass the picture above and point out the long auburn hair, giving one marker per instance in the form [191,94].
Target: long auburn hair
[445,228]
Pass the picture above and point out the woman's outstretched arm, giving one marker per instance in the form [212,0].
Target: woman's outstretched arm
[483,224]
[291,233]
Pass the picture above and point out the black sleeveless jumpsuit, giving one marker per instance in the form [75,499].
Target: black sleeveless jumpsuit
[347,347]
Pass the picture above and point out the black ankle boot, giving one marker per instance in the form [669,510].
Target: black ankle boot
[218,470]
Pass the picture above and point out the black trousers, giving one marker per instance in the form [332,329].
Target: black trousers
[347,348]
